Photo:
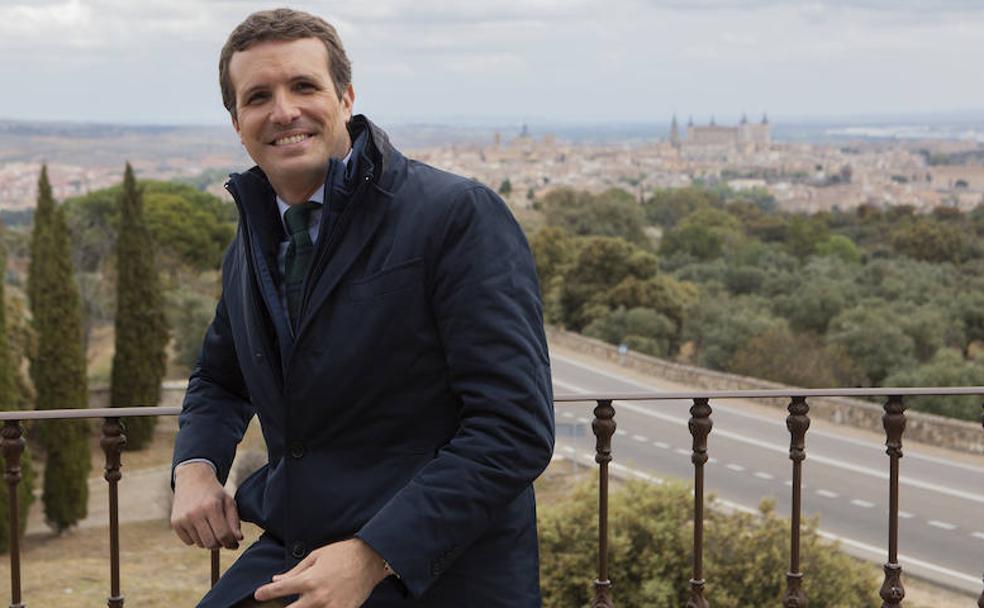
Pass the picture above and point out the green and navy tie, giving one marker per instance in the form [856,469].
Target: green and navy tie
[300,251]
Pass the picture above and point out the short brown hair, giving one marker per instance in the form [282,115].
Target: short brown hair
[283,24]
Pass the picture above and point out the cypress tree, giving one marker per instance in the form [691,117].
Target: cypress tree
[139,361]
[8,402]
[58,369]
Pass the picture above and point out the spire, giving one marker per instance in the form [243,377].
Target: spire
[765,118]
[675,133]
[690,122]
[744,118]
[712,120]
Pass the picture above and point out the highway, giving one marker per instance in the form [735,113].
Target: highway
[845,475]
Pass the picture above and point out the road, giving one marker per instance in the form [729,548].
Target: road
[845,475]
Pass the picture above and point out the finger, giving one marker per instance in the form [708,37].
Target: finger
[232,517]
[278,589]
[216,517]
[303,565]
[206,538]
[183,534]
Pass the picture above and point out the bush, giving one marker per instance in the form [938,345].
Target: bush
[745,556]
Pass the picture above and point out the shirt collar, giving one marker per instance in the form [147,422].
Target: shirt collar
[318,196]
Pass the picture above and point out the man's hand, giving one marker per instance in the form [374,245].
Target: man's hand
[339,575]
[203,513]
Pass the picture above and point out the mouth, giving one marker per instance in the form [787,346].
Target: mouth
[288,140]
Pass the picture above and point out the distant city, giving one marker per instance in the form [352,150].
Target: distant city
[806,165]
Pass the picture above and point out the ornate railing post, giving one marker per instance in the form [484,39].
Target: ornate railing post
[797,422]
[12,444]
[603,427]
[113,440]
[700,427]
[892,591]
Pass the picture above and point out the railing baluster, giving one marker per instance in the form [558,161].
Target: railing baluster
[892,591]
[797,422]
[113,440]
[603,427]
[12,444]
[215,566]
[700,427]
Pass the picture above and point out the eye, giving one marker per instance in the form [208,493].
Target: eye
[304,86]
[255,98]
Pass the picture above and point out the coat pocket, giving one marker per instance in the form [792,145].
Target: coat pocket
[395,278]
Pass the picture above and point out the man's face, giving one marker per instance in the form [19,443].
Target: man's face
[288,114]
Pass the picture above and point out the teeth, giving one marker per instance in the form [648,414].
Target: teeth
[293,139]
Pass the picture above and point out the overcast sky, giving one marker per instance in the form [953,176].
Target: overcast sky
[586,61]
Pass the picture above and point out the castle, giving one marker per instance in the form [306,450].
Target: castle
[746,136]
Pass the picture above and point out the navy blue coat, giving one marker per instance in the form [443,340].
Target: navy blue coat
[412,409]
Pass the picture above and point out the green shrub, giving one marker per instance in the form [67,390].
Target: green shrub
[745,556]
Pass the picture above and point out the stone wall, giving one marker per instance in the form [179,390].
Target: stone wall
[921,427]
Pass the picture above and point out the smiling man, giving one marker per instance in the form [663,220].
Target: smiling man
[382,319]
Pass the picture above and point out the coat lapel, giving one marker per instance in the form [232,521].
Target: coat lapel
[349,241]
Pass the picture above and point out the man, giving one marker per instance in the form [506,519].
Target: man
[388,336]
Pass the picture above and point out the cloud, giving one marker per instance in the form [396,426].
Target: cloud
[893,6]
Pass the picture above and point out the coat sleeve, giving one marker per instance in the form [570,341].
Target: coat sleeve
[487,308]
[216,408]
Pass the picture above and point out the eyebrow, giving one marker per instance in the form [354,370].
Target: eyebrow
[293,79]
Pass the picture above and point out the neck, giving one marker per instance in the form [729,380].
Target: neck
[295,192]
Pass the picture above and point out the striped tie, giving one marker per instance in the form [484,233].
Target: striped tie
[299,254]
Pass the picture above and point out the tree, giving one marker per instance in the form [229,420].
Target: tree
[58,369]
[139,361]
[650,544]
[946,368]
[801,360]
[601,264]
[720,326]
[873,339]
[641,329]
[613,213]
[8,402]
[840,247]
[930,240]
[505,188]
[670,205]
[704,234]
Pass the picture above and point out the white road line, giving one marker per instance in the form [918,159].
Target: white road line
[567,415]
[827,494]
[864,504]
[906,515]
[735,467]
[764,476]
[682,451]
[661,445]
[735,411]
[712,460]
[925,485]
[942,525]
[568,449]
[620,432]
[877,552]
[978,535]
[640,438]
[582,420]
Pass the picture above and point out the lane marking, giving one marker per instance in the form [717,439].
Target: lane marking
[864,504]
[682,451]
[764,476]
[942,525]
[877,552]
[978,535]
[906,515]
[712,460]
[621,433]
[567,415]
[828,494]
[917,483]
[661,445]
[640,438]
[568,449]
[582,420]
[744,414]
[735,467]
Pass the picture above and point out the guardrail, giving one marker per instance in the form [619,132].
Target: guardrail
[603,426]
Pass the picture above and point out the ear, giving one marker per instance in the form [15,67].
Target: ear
[348,100]
[235,125]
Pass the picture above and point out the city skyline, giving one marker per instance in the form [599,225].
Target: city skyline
[439,61]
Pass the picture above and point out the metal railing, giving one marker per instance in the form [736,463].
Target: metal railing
[603,426]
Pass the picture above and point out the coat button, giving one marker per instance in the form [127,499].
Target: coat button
[298,550]
[297,450]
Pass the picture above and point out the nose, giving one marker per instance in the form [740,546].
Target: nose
[285,111]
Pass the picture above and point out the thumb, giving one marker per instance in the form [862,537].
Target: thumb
[232,516]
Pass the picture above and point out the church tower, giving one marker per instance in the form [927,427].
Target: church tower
[675,133]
